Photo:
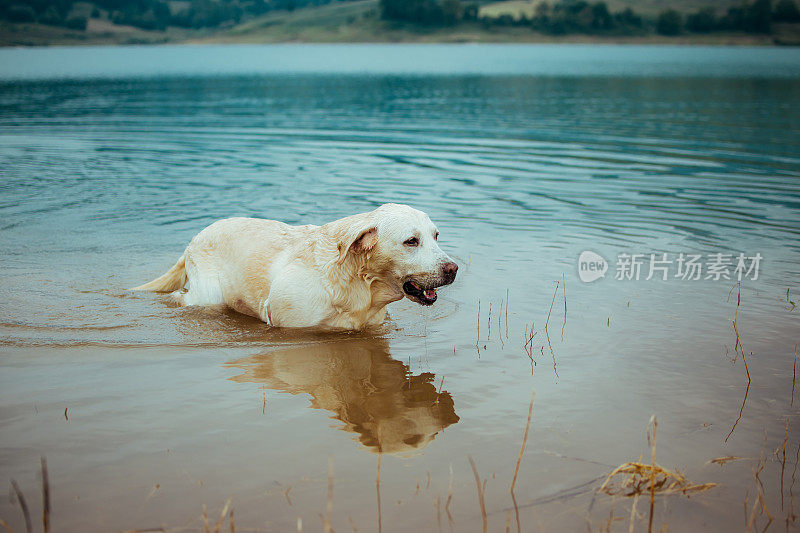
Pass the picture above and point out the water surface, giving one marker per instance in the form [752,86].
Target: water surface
[524,156]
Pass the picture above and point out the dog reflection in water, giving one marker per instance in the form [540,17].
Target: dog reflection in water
[357,380]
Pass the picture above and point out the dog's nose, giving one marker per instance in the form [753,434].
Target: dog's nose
[449,270]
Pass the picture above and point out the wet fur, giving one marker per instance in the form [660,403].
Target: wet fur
[339,275]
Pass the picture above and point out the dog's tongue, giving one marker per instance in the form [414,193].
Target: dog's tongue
[429,293]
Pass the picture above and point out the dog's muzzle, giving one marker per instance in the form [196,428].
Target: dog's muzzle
[427,295]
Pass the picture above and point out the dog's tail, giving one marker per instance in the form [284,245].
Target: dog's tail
[172,280]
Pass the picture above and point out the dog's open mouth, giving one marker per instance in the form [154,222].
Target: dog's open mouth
[418,294]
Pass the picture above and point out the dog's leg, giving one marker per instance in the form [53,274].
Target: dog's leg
[203,287]
[177,297]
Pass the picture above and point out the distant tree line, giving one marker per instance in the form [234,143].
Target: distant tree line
[560,17]
[53,12]
[147,14]
[581,16]
[757,17]
[428,12]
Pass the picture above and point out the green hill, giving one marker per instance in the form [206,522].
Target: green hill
[651,8]
[36,22]
[515,21]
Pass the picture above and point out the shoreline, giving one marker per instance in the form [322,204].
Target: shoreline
[722,43]
[35,35]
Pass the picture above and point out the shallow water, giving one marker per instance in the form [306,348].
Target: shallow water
[524,156]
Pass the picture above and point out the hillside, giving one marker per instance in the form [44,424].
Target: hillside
[360,21]
[645,7]
[267,21]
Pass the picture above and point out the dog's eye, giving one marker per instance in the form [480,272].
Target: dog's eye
[413,241]
[436,236]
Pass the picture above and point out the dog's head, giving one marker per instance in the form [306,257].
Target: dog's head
[401,245]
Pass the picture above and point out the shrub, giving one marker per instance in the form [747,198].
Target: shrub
[758,17]
[629,18]
[76,23]
[669,22]
[20,13]
[420,11]
[601,18]
[786,11]
[52,17]
[704,20]
[470,12]
[451,11]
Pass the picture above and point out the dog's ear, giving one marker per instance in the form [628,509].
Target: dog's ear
[357,241]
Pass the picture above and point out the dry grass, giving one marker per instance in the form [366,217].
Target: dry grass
[759,507]
[634,479]
[23,506]
[789,302]
[739,348]
[641,478]
[528,346]
[503,313]
[449,498]
[508,302]
[524,442]
[783,457]
[564,289]
[45,497]
[326,520]
[481,491]
[222,516]
[478,333]
[794,374]
[489,323]
[791,518]
[547,333]
[741,410]
[516,468]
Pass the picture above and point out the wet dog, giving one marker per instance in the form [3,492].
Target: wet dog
[339,275]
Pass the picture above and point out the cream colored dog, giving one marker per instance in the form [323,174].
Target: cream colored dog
[340,275]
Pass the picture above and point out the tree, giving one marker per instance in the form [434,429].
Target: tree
[451,11]
[628,18]
[76,23]
[470,12]
[669,22]
[420,11]
[733,20]
[601,18]
[704,20]
[20,13]
[786,11]
[758,17]
[51,16]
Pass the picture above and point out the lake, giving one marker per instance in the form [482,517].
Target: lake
[527,158]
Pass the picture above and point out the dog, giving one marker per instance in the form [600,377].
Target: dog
[341,275]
